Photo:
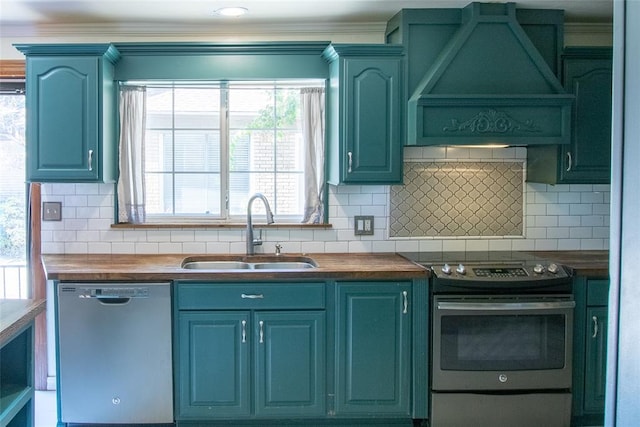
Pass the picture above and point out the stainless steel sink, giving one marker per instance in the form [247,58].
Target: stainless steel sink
[216,265]
[243,263]
[282,265]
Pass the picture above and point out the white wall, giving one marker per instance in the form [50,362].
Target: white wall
[561,217]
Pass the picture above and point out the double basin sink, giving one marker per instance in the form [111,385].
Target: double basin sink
[249,262]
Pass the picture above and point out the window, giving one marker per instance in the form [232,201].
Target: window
[13,192]
[209,147]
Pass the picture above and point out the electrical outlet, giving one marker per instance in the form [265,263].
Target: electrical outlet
[51,211]
[363,225]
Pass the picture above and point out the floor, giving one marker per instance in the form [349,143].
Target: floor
[45,409]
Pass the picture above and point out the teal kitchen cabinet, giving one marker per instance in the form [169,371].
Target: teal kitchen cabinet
[17,332]
[590,350]
[365,114]
[250,350]
[214,369]
[373,349]
[71,112]
[587,159]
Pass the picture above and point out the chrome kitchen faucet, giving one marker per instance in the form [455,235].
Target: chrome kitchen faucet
[251,241]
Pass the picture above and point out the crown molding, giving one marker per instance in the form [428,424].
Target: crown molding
[183,31]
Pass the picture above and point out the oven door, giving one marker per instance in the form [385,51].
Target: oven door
[514,343]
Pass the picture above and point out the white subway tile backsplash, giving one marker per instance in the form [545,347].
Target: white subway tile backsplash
[182,235]
[123,248]
[580,209]
[170,248]
[99,248]
[563,217]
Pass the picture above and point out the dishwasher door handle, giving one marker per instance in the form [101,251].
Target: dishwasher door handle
[113,301]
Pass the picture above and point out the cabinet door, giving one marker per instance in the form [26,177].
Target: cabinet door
[213,365]
[62,122]
[371,134]
[373,349]
[595,359]
[588,158]
[290,363]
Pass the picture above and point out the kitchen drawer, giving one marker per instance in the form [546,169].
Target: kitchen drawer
[597,292]
[248,296]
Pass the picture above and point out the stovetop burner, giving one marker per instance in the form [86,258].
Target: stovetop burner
[503,272]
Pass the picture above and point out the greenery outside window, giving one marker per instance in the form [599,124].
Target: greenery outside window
[210,146]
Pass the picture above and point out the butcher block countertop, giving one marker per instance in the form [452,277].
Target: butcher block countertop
[15,314]
[352,266]
[97,267]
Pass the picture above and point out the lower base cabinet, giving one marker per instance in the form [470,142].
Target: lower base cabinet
[254,363]
[590,350]
[373,350]
[323,353]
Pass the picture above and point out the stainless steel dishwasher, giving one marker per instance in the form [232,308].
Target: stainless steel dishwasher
[114,353]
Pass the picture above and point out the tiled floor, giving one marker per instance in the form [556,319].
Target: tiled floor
[45,409]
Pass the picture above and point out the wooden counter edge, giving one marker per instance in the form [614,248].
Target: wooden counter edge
[16,314]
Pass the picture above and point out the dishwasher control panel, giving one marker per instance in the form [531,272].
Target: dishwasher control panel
[121,292]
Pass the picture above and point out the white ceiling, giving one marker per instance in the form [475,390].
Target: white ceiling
[315,12]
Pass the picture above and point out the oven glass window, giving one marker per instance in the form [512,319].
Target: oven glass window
[502,342]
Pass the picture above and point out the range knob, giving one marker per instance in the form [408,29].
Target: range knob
[461,269]
[446,269]
[553,268]
[538,269]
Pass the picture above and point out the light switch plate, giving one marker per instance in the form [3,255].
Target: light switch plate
[52,211]
[363,225]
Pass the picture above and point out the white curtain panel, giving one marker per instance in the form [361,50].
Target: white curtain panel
[131,193]
[313,101]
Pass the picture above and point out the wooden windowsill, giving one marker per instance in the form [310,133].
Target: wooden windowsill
[222,225]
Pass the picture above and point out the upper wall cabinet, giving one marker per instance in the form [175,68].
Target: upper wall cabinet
[587,159]
[71,108]
[364,114]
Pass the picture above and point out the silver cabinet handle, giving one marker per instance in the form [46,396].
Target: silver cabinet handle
[261,323]
[594,319]
[405,302]
[251,296]
[244,331]
[90,160]
[350,156]
[569,161]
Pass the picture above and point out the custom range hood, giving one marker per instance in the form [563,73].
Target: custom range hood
[489,85]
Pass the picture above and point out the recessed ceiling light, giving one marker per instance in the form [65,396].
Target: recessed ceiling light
[232,11]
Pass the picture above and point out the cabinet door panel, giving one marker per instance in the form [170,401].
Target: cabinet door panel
[63,122]
[372,131]
[373,349]
[588,157]
[290,363]
[214,364]
[596,359]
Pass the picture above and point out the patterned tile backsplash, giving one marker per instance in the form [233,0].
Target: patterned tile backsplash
[554,217]
[446,199]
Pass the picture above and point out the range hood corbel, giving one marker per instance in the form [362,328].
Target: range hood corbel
[489,85]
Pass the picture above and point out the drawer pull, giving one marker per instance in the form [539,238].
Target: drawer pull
[594,319]
[261,323]
[252,296]
[244,331]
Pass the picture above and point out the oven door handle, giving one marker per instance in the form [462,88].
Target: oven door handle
[498,306]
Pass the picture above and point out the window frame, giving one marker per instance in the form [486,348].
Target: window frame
[226,217]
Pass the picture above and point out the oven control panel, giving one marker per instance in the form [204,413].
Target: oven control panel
[482,272]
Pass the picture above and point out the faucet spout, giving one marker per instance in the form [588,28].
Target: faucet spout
[251,241]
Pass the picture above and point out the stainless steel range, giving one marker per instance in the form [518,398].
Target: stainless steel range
[501,341]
